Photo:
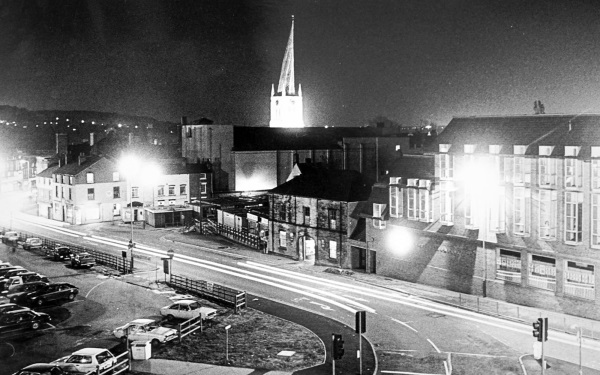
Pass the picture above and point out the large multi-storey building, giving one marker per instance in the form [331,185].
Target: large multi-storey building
[513,213]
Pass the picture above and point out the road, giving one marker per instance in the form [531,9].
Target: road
[398,325]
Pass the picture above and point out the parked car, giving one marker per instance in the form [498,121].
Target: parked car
[5,270]
[60,253]
[48,369]
[19,293]
[14,272]
[145,330]
[187,309]
[27,277]
[51,292]
[5,264]
[83,260]
[89,359]
[6,307]
[10,237]
[22,319]
[33,243]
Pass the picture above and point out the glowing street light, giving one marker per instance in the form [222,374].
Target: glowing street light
[400,240]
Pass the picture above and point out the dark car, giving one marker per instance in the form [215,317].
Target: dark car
[5,270]
[7,307]
[83,260]
[60,253]
[48,369]
[17,294]
[22,319]
[51,292]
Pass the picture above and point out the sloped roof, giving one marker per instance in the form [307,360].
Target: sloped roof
[47,173]
[336,185]
[534,130]
[75,168]
[248,138]
[414,166]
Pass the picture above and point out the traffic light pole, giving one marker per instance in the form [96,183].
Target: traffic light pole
[333,367]
[543,360]
[360,346]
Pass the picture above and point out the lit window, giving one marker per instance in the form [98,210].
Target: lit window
[508,266]
[521,210]
[580,280]
[469,149]
[282,239]
[447,202]
[377,215]
[522,170]
[596,174]
[333,249]
[547,172]
[395,197]
[446,166]
[116,176]
[306,211]
[573,208]
[542,272]
[70,180]
[573,173]
[90,177]
[548,214]
[332,218]
[596,220]
[203,187]
[135,192]
[161,190]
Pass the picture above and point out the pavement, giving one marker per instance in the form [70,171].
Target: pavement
[323,326]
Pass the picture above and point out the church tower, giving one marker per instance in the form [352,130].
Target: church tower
[286,105]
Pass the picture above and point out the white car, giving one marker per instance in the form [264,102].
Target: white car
[145,330]
[10,236]
[187,309]
[90,359]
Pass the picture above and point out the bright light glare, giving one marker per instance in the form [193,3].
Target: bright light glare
[145,173]
[399,240]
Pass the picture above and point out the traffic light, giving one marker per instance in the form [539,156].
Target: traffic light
[361,322]
[540,329]
[130,245]
[338,346]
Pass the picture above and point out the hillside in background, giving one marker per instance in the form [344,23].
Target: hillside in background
[32,131]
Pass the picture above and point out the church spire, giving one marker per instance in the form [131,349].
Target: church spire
[286,79]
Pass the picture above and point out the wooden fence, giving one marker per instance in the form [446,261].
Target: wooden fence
[232,297]
[242,237]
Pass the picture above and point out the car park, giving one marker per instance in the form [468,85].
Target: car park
[60,253]
[51,292]
[83,260]
[6,307]
[33,243]
[187,309]
[145,330]
[14,272]
[27,277]
[48,369]
[22,319]
[5,270]
[90,359]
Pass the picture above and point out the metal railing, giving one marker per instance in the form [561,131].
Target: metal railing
[242,237]
[232,297]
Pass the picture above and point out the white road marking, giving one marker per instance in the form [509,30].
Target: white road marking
[435,347]
[404,324]
[324,307]
[406,373]
[94,287]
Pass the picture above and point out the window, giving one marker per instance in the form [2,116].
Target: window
[332,218]
[446,166]
[62,192]
[521,210]
[116,209]
[135,192]
[282,239]
[70,180]
[547,172]
[182,189]
[573,172]
[521,170]
[306,212]
[161,191]
[395,197]
[580,280]
[333,249]
[116,192]
[411,195]
[425,213]
[596,220]
[116,176]
[90,194]
[377,215]
[548,214]
[70,196]
[595,174]
[65,179]
[203,188]
[573,208]
[508,266]
[283,212]
[171,189]
[497,210]
[56,191]
[542,272]
[171,202]
[188,132]
[447,202]
[55,177]
[90,177]
[203,176]
[469,149]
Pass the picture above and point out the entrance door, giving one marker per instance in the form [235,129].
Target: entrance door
[307,249]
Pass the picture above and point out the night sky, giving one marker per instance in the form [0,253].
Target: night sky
[407,60]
